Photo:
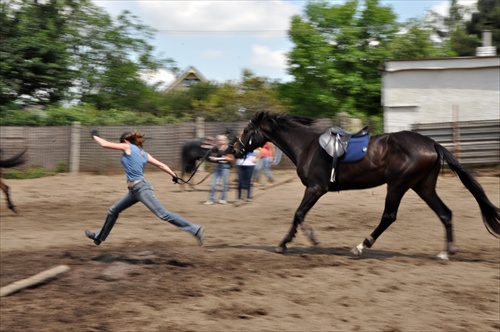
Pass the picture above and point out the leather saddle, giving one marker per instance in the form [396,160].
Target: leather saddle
[335,142]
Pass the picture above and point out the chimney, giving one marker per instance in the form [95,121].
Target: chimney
[486,49]
[486,37]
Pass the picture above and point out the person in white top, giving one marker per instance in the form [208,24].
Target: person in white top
[246,166]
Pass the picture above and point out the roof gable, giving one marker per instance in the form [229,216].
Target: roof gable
[188,78]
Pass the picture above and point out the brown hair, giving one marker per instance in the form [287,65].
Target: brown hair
[135,138]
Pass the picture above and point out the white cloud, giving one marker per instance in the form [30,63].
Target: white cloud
[264,56]
[218,15]
[162,76]
[443,8]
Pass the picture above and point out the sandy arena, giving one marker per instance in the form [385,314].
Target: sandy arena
[150,276]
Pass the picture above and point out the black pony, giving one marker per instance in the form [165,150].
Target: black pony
[16,160]
[403,160]
[196,150]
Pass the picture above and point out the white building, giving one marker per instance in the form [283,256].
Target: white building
[440,90]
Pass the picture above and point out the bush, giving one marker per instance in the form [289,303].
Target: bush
[61,167]
[30,173]
[87,115]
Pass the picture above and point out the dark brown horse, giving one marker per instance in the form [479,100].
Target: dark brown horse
[403,160]
[9,163]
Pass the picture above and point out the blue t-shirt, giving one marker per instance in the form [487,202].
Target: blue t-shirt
[134,163]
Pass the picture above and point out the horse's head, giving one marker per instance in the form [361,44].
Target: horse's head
[252,136]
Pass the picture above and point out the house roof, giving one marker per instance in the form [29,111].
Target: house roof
[472,62]
[190,73]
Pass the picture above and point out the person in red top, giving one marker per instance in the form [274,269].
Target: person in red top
[266,157]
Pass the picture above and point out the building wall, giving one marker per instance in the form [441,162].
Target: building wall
[440,90]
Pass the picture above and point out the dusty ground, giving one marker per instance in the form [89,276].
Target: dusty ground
[149,276]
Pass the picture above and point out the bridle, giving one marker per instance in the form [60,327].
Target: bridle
[250,139]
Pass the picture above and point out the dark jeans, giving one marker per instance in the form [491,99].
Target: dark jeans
[245,180]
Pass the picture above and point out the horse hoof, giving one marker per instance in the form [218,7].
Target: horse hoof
[357,250]
[443,256]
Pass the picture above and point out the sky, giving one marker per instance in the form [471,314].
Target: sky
[220,38]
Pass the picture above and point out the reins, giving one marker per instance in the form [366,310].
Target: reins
[195,170]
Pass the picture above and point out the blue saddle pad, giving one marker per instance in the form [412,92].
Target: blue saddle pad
[356,149]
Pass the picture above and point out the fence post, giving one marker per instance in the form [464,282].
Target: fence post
[74,149]
[200,127]
[456,131]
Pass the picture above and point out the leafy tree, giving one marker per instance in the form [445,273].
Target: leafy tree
[234,102]
[462,28]
[486,18]
[86,114]
[61,49]
[415,41]
[337,55]
[182,103]
[34,58]
[451,30]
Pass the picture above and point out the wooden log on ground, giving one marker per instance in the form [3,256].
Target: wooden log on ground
[34,280]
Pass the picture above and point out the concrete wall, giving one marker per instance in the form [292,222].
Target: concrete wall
[440,90]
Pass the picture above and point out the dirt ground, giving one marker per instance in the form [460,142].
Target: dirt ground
[150,276]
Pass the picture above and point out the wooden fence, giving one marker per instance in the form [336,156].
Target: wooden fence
[473,142]
[72,149]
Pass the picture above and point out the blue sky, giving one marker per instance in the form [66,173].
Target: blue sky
[222,37]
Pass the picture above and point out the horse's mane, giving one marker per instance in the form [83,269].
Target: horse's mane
[285,121]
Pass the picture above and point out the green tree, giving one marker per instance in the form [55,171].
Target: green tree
[183,103]
[336,58]
[486,18]
[72,49]
[451,30]
[235,102]
[35,62]
[415,41]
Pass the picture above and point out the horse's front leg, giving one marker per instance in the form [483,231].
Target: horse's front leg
[311,196]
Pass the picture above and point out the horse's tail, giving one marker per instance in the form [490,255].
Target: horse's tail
[17,160]
[491,213]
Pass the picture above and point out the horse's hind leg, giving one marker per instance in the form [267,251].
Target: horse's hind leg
[392,201]
[5,189]
[427,192]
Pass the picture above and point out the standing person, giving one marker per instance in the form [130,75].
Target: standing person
[246,166]
[222,155]
[266,157]
[133,159]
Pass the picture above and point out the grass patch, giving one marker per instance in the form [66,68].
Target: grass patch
[30,173]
